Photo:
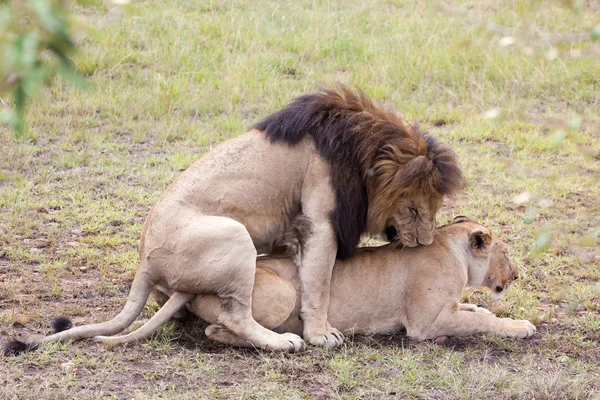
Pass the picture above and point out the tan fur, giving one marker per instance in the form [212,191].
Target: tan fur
[260,191]
[381,290]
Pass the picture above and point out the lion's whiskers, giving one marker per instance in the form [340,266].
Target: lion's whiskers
[395,243]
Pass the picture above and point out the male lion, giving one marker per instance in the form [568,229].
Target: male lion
[312,178]
[377,291]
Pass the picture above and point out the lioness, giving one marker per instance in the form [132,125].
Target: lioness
[311,178]
[377,291]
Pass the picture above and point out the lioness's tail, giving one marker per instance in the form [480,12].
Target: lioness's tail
[175,303]
[138,295]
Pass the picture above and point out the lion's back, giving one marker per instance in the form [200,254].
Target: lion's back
[249,179]
[248,169]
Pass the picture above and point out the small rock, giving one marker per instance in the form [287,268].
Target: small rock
[66,366]
[522,198]
[83,268]
[73,244]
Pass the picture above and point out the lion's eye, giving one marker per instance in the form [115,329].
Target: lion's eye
[415,213]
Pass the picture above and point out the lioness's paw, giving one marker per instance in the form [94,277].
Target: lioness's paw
[518,328]
[482,310]
[331,339]
[474,308]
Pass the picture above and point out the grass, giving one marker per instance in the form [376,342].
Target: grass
[176,78]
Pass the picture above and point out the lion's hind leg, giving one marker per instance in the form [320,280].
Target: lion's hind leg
[161,297]
[174,304]
[217,255]
[273,300]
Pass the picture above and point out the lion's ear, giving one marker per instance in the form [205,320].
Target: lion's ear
[479,239]
[460,218]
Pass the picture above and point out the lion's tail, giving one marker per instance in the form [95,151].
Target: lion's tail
[138,295]
[175,303]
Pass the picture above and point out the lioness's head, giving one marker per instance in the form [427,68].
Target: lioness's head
[408,184]
[489,265]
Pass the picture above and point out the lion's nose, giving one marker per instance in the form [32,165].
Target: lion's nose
[391,232]
[425,242]
[499,289]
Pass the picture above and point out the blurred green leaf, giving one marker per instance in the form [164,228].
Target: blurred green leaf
[28,30]
[557,138]
[596,32]
[19,97]
[48,15]
[575,123]
[542,241]
[28,46]
[531,215]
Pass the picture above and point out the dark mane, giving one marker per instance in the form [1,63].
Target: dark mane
[375,157]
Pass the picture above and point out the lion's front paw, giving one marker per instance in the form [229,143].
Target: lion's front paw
[296,343]
[482,310]
[518,328]
[287,342]
[331,338]
[474,308]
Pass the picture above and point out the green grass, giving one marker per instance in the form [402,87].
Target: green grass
[176,78]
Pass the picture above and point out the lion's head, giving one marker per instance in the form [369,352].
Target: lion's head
[491,266]
[413,222]
[408,183]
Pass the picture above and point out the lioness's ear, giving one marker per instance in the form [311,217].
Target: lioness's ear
[479,239]
[460,218]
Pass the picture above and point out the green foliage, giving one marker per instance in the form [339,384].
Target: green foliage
[596,33]
[36,42]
